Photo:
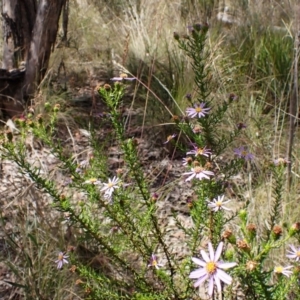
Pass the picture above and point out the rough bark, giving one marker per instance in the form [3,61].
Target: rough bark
[42,42]
[65,22]
[30,28]
[18,21]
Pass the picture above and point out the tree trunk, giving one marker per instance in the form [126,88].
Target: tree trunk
[65,22]
[30,28]
[18,20]
[42,42]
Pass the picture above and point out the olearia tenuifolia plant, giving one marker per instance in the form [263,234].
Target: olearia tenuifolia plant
[251,252]
[117,216]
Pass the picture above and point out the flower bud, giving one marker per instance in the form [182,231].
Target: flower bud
[243,245]
[30,123]
[276,232]
[56,107]
[62,197]
[251,265]
[188,96]
[78,281]
[197,27]
[21,121]
[176,36]
[229,254]
[196,163]
[47,106]
[251,228]
[119,171]
[232,97]
[295,228]
[154,197]
[39,118]
[9,135]
[189,202]
[229,236]
[243,215]
[297,270]
[197,128]
[176,119]
[241,126]
[107,86]
[208,165]
[189,160]
[73,269]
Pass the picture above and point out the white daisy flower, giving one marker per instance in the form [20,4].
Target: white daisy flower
[283,270]
[211,269]
[109,187]
[199,173]
[218,204]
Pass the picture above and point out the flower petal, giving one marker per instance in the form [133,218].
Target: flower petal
[211,252]
[191,177]
[223,276]
[200,280]
[205,256]
[198,273]
[226,208]
[218,252]
[199,262]
[211,286]
[218,283]
[226,265]
[202,175]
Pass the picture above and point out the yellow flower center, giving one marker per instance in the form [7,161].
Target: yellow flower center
[60,256]
[298,253]
[278,270]
[198,170]
[110,184]
[92,180]
[219,203]
[197,128]
[198,109]
[154,263]
[200,151]
[244,153]
[211,267]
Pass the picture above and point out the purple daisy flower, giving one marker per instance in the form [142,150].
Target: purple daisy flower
[122,77]
[169,138]
[153,262]
[61,260]
[198,110]
[200,151]
[241,152]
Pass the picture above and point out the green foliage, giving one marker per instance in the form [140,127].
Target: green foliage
[265,54]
